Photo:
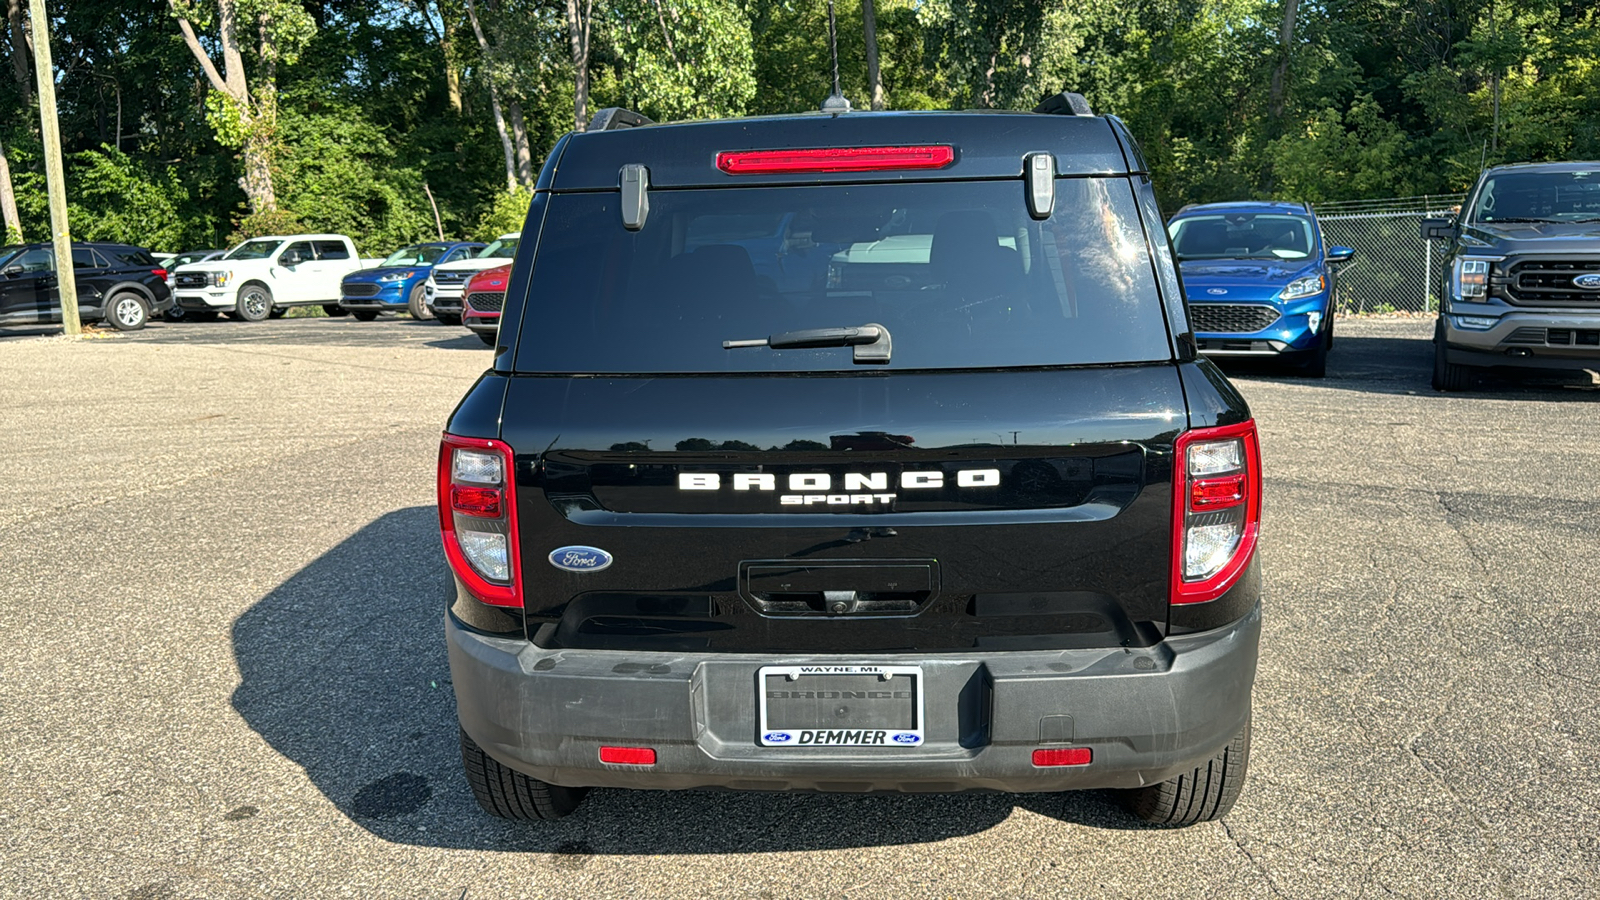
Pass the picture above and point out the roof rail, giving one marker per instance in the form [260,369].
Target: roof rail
[613,117]
[1065,103]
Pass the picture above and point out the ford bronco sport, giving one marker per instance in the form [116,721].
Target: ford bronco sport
[858,452]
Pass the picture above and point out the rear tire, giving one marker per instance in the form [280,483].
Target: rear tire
[127,311]
[254,303]
[508,794]
[1203,795]
[334,310]
[1448,376]
[364,315]
[448,318]
[417,305]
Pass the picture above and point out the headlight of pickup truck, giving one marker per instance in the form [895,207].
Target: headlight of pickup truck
[392,277]
[221,279]
[1469,277]
[1302,287]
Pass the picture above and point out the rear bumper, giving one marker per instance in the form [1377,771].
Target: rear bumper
[1147,714]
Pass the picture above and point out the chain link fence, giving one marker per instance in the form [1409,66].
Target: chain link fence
[1394,269]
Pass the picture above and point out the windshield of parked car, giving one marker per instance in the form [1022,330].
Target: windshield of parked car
[1241,236]
[254,249]
[419,255]
[958,273]
[1539,197]
[505,248]
[7,252]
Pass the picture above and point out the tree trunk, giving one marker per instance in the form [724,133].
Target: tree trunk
[19,51]
[258,120]
[519,134]
[578,33]
[869,21]
[1280,74]
[10,222]
[494,99]
[452,76]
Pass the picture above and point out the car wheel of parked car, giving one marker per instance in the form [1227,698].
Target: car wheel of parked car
[127,311]
[175,313]
[418,304]
[509,794]
[335,310]
[1448,376]
[254,303]
[279,312]
[448,319]
[1203,795]
[1314,363]
[365,315]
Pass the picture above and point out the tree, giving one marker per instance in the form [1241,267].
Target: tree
[869,29]
[242,116]
[10,222]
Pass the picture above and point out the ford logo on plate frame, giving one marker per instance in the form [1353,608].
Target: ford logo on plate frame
[579,559]
[1588,282]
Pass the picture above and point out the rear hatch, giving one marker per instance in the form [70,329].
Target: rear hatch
[988,467]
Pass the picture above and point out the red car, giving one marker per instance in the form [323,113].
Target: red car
[485,296]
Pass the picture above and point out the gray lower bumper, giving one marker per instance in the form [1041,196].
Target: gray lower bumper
[1147,714]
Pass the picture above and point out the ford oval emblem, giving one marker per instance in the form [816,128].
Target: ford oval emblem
[580,559]
[1217,291]
[1589,282]
[777,737]
[906,739]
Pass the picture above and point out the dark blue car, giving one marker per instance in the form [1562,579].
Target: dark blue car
[395,285]
[1259,281]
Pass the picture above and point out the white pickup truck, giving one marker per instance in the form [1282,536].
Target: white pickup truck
[265,276]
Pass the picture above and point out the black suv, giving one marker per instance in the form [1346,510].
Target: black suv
[1522,273]
[848,453]
[117,283]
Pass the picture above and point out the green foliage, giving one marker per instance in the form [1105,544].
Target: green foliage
[1379,97]
[266,223]
[115,198]
[506,215]
[337,174]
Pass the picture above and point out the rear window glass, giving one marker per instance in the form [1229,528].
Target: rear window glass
[959,274]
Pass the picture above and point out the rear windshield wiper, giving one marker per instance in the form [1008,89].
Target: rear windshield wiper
[871,342]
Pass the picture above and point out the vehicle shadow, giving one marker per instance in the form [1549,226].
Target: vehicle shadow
[465,341]
[343,671]
[1404,366]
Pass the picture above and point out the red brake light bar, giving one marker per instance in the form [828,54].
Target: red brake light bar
[835,159]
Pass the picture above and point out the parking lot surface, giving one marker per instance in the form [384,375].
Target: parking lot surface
[223,673]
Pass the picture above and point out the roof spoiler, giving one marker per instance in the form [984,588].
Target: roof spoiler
[1065,103]
[614,117]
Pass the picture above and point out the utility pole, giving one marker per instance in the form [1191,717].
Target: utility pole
[60,231]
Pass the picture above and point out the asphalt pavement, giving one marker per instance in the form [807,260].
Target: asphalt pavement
[222,672]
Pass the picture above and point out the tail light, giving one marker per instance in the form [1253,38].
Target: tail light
[1217,511]
[159,273]
[478,517]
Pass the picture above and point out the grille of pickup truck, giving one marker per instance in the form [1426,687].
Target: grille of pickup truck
[451,277]
[360,290]
[1548,282]
[485,301]
[1231,318]
[190,279]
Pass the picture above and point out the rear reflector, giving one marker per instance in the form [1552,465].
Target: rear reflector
[835,159]
[628,756]
[475,501]
[1063,756]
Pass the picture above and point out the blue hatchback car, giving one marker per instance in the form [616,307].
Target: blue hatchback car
[1259,280]
[395,285]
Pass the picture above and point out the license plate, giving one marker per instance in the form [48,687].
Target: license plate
[840,706]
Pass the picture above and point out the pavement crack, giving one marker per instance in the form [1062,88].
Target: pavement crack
[1260,866]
